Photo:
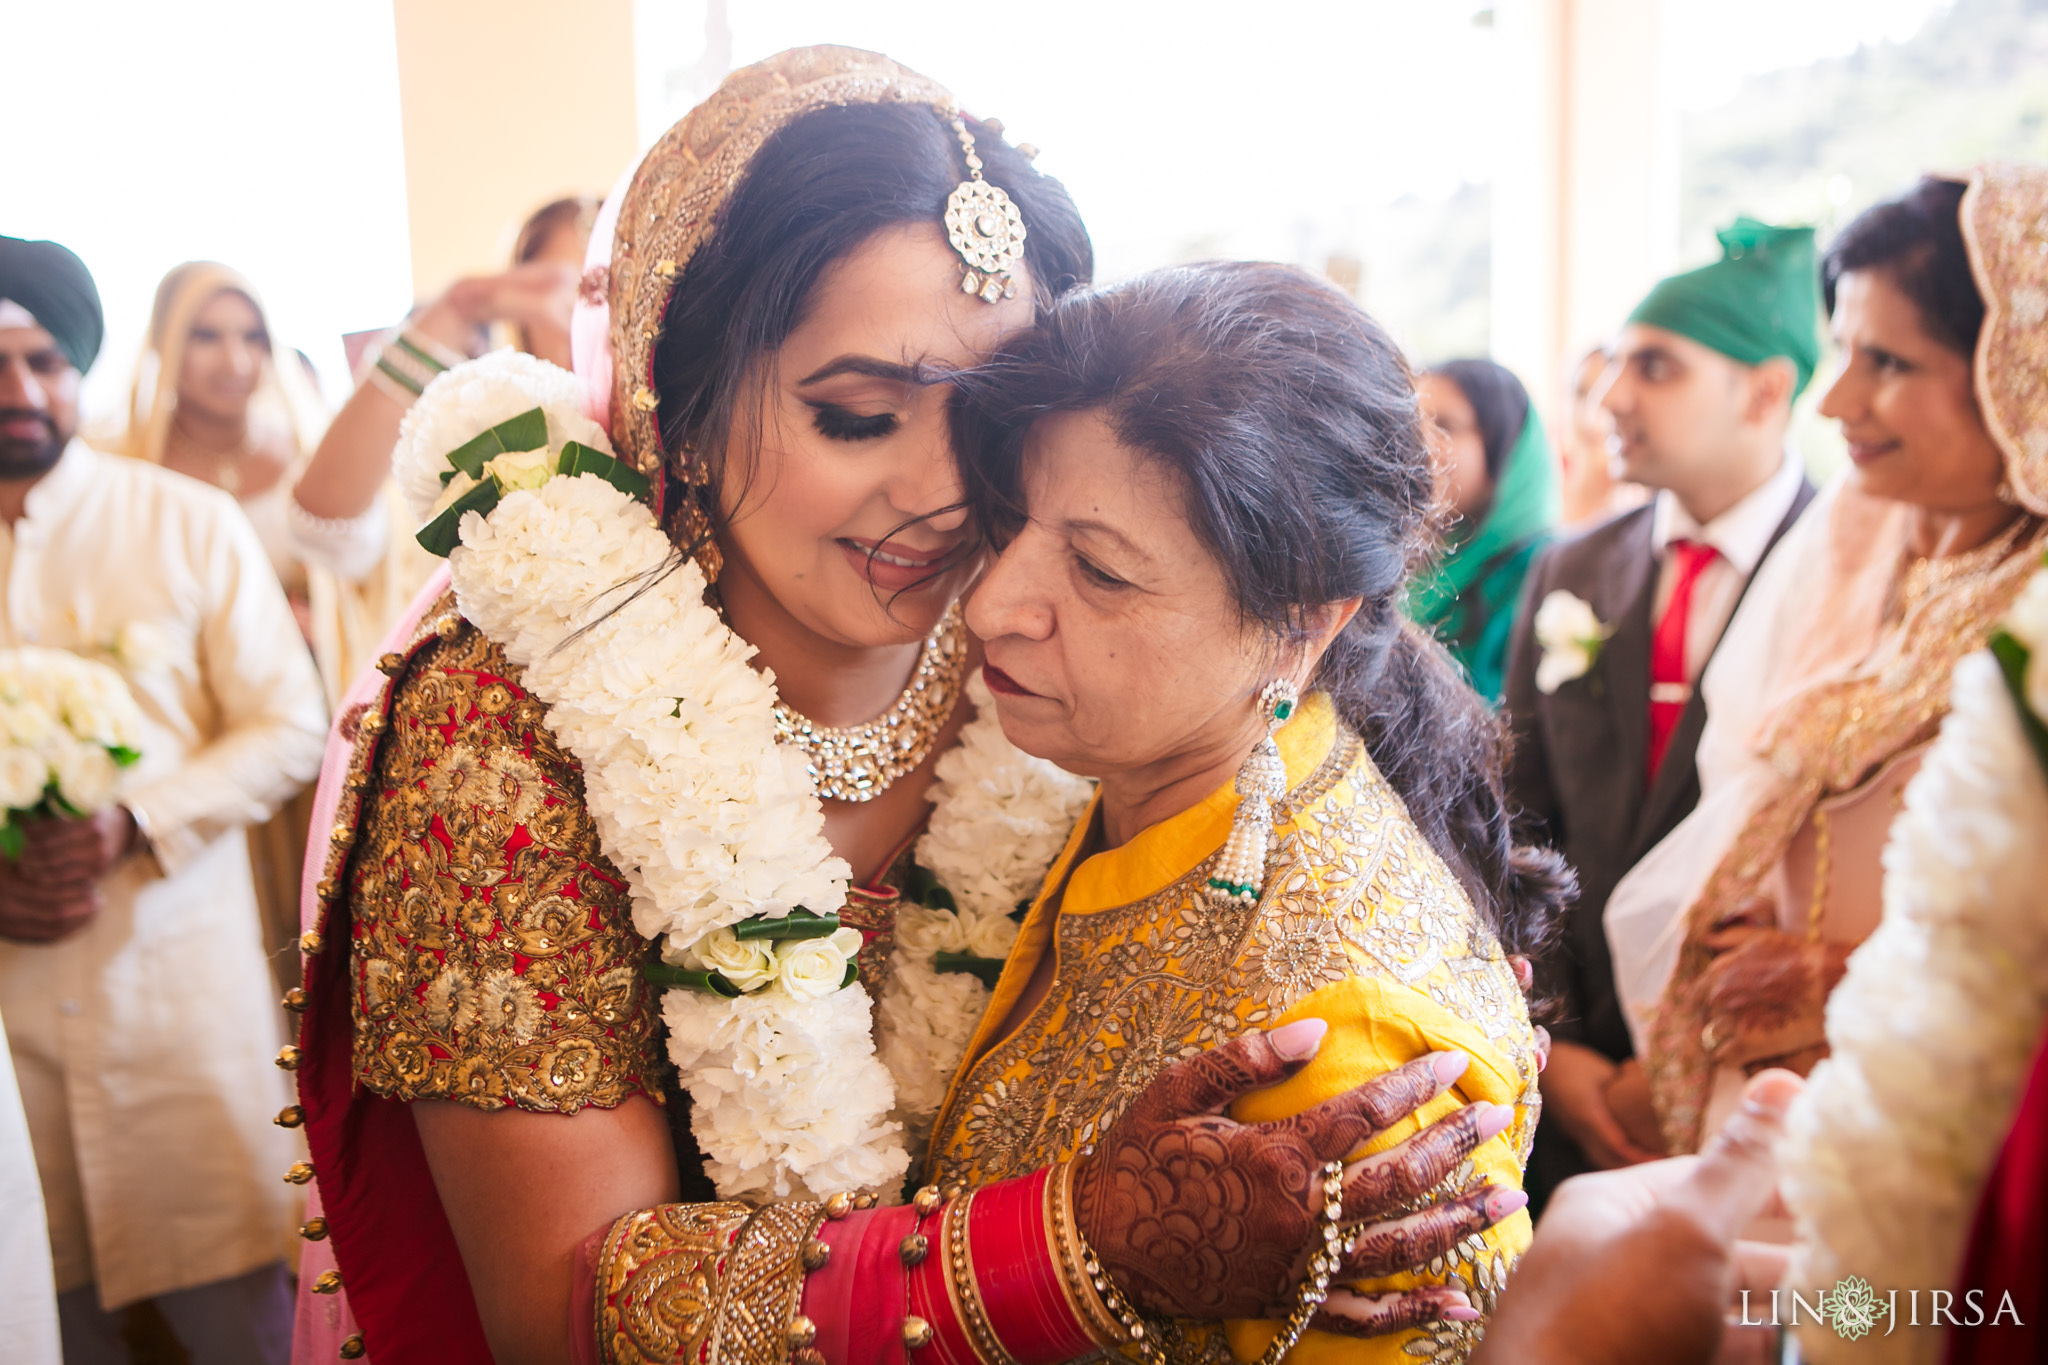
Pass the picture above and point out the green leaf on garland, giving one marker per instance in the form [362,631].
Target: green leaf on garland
[852,974]
[527,431]
[799,923]
[681,978]
[987,968]
[123,756]
[12,840]
[444,532]
[578,458]
[921,887]
[2012,659]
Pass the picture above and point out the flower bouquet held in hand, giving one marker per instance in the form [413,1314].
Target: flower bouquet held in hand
[67,728]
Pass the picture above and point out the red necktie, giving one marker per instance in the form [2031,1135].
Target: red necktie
[1670,688]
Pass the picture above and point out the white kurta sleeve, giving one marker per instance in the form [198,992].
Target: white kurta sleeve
[350,548]
[268,706]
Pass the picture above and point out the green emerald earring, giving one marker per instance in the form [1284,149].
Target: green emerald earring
[1240,871]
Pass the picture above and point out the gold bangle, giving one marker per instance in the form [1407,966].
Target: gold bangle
[1309,1298]
[1094,1315]
[961,1288]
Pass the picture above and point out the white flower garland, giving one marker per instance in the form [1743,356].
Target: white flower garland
[1935,1025]
[712,822]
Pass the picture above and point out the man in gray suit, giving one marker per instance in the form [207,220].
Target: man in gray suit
[1617,624]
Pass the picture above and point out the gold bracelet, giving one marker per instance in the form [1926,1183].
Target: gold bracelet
[1094,1315]
[1309,1298]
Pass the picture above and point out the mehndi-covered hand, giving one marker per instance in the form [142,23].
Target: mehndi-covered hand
[1766,994]
[1200,1216]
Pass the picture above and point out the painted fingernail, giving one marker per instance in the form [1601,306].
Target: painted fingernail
[1449,1066]
[1300,1039]
[1501,1203]
[1495,1120]
[1461,1313]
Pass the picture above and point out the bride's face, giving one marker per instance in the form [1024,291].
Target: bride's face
[842,497]
[1113,642]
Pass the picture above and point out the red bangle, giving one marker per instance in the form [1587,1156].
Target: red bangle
[1016,1273]
[928,1297]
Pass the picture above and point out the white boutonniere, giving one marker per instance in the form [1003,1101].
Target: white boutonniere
[1572,638]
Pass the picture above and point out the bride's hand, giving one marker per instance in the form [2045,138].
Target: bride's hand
[1200,1216]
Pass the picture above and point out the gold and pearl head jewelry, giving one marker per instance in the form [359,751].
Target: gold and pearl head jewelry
[982,224]
[1240,872]
[860,762]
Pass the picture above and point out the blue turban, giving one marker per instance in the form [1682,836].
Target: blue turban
[57,289]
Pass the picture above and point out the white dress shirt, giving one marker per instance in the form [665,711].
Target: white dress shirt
[1741,535]
[144,1043]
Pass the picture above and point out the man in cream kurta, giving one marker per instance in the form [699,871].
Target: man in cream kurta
[138,1003]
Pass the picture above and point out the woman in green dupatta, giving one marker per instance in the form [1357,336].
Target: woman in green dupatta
[1502,482]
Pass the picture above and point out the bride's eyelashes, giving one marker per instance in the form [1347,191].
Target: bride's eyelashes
[835,423]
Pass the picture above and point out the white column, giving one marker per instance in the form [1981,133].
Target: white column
[507,104]
[1585,196]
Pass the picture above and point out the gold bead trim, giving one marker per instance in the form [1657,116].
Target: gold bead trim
[295,1000]
[328,1283]
[314,1229]
[291,1116]
[299,1174]
[353,1348]
[917,1333]
[287,1058]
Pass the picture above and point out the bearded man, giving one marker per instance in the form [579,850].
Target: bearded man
[1600,687]
[132,976]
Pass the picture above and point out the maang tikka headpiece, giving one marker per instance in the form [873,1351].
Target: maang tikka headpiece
[982,224]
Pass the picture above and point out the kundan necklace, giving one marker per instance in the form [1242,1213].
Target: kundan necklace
[860,762]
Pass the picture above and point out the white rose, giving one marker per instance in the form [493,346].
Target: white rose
[748,963]
[86,778]
[1559,666]
[1570,635]
[522,469]
[1564,618]
[23,775]
[816,967]
[992,936]
[26,724]
[457,486]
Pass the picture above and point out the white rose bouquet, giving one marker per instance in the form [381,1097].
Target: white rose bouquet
[67,728]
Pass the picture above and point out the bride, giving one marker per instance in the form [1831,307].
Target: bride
[611,731]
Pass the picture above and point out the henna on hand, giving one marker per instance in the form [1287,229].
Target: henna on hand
[1372,1315]
[1199,1216]
[1766,995]
[1388,1248]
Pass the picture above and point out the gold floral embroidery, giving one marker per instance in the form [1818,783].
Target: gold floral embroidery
[494,955]
[1827,741]
[703,1282]
[1360,893]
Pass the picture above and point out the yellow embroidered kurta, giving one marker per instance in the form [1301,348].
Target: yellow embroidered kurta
[1361,925]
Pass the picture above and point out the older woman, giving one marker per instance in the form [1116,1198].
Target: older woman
[1834,675]
[1207,486]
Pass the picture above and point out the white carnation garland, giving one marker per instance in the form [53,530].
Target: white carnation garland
[1935,1025]
[711,821]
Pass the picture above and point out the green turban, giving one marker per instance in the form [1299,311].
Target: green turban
[1761,299]
[54,286]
